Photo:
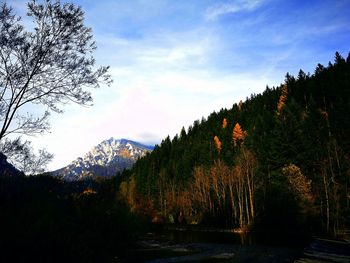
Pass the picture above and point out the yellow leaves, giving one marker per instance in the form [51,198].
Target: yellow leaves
[238,134]
[283,99]
[224,123]
[298,182]
[217,143]
[89,191]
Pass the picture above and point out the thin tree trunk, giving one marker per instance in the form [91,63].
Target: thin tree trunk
[327,199]
[240,205]
[247,206]
[251,197]
[233,205]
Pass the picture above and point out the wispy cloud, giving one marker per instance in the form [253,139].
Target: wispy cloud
[175,61]
[232,7]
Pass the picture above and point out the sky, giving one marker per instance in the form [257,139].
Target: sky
[174,62]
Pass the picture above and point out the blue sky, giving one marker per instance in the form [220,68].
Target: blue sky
[175,61]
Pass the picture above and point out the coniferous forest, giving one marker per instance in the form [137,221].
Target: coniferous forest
[266,180]
[279,160]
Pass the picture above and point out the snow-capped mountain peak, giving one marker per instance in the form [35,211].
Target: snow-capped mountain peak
[105,159]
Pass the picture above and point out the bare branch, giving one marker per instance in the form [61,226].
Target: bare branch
[21,154]
[49,66]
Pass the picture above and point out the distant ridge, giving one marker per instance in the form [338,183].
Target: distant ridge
[7,169]
[104,160]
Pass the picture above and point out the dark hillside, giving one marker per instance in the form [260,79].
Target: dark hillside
[279,159]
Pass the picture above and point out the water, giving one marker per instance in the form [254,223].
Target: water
[190,235]
[197,244]
[196,234]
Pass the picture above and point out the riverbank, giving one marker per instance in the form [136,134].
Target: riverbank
[326,250]
[179,244]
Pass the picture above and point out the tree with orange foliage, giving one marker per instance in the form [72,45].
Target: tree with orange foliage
[283,98]
[89,191]
[238,134]
[299,183]
[224,123]
[217,143]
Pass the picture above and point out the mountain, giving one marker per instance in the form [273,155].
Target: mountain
[7,169]
[105,159]
[280,159]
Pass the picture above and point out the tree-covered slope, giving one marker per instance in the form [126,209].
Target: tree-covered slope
[280,158]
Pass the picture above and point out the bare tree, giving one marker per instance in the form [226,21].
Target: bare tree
[50,65]
[22,155]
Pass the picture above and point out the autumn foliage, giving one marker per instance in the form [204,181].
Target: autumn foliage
[217,143]
[282,99]
[89,191]
[238,134]
[284,165]
[298,182]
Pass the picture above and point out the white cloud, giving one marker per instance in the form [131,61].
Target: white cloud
[145,108]
[174,54]
[232,7]
[162,82]
[162,49]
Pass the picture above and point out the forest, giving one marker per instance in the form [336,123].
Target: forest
[276,164]
[279,160]
[44,219]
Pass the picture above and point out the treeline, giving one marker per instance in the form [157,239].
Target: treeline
[280,159]
[43,219]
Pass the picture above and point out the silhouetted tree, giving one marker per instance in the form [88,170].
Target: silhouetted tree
[23,156]
[50,65]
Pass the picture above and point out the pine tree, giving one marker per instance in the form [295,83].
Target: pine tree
[224,123]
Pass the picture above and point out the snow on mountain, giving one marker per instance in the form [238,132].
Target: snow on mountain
[105,159]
